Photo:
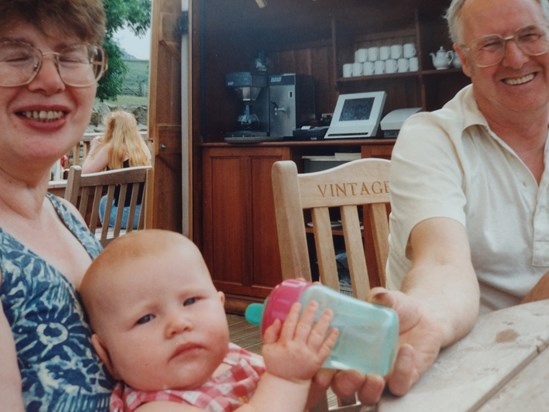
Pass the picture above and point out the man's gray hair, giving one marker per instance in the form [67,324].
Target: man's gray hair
[453,15]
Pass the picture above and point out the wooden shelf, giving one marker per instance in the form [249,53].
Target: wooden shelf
[383,76]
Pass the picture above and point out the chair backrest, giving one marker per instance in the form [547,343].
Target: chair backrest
[357,192]
[124,187]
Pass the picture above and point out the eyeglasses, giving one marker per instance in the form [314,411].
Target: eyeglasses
[78,66]
[489,50]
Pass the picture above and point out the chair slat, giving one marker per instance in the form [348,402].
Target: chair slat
[86,190]
[120,209]
[322,229]
[358,190]
[380,233]
[355,251]
[134,187]
[289,214]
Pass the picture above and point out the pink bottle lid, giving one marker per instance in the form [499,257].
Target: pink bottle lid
[280,301]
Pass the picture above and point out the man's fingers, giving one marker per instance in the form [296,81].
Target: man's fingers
[405,372]
[371,390]
[405,307]
[347,383]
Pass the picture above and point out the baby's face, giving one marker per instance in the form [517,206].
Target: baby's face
[166,325]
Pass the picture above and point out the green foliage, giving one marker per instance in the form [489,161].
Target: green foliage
[134,14]
[136,82]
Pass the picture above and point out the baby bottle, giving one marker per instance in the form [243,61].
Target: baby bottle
[368,333]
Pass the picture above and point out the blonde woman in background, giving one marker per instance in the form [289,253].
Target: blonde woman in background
[121,146]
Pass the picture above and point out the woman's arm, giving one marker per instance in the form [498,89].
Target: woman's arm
[97,158]
[11,398]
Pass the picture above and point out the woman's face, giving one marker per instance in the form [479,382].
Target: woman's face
[40,121]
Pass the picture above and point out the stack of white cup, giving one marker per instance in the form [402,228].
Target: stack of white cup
[396,58]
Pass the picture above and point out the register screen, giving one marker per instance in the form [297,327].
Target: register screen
[357,109]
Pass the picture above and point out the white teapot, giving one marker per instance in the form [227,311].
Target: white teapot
[456,62]
[442,58]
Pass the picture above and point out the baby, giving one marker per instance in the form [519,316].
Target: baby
[160,328]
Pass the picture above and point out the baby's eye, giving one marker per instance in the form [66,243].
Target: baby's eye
[144,319]
[190,301]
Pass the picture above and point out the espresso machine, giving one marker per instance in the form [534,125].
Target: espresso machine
[292,103]
[251,89]
[273,105]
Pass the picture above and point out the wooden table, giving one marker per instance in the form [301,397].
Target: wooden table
[502,365]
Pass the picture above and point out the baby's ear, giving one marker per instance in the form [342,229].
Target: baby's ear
[221,297]
[103,353]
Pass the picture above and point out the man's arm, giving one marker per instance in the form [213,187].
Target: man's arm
[442,278]
[437,305]
[10,378]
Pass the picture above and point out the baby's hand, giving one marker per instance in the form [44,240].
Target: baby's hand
[297,349]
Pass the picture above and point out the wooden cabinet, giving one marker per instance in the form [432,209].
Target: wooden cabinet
[233,218]
[317,38]
[308,37]
[301,36]
[239,241]
[240,244]
[426,87]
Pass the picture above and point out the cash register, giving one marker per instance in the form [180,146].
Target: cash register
[356,115]
[392,122]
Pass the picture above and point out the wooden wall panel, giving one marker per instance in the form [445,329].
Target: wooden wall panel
[315,60]
[165,114]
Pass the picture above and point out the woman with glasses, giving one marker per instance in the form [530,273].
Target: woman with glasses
[50,61]
[470,191]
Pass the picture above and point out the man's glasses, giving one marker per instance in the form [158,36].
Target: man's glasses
[78,66]
[489,50]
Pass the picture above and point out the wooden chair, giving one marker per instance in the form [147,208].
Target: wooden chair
[86,190]
[359,190]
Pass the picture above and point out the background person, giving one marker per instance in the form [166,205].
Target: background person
[160,327]
[121,146]
[470,190]
[50,61]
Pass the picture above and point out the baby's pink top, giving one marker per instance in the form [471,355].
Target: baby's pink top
[223,393]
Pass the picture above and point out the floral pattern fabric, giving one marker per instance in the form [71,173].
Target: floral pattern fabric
[59,369]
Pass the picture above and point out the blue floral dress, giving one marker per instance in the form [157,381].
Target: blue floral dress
[59,368]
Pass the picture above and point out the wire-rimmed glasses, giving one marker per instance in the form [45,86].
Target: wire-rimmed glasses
[489,50]
[78,66]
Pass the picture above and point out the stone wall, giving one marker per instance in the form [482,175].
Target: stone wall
[102,109]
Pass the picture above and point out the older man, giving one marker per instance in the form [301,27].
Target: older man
[470,191]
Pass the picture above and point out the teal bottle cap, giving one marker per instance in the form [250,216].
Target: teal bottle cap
[254,313]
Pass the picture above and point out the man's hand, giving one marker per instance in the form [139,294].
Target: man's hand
[419,344]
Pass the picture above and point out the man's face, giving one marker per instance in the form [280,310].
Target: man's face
[519,83]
